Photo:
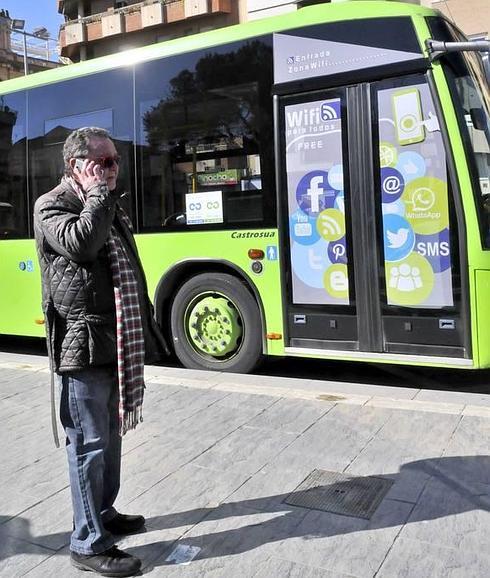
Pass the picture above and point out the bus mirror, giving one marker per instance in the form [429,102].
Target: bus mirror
[437,48]
[486,66]
[478,118]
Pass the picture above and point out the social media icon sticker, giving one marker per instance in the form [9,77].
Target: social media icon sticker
[331,224]
[436,249]
[426,205]
[314,194]
[337,251]
[302,228]
[336,177]
[330,110]
[409,282]
[336,282]
[411,165]
[392,185]
[399,237]
[309,263]
[388,155]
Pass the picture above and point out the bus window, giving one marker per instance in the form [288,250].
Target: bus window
[471,95]
[103,100]
[13,201]
[473,107]
[205,139]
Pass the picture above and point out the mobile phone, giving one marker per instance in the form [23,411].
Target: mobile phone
[79,164]
[408,116]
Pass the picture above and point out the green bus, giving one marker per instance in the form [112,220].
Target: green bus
[314,184]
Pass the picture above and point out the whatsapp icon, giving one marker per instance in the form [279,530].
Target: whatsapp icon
[423,199]
[426,205]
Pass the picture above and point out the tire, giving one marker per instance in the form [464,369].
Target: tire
[216,325]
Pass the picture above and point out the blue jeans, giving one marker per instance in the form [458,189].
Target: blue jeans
[89,414]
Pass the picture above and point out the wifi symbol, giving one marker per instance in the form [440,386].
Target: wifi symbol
[328,112]
[329,227]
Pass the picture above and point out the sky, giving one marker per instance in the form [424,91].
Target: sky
[36,13]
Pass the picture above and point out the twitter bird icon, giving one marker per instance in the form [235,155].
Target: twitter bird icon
[399,238]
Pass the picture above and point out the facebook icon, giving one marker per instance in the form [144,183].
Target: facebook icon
[313,194]
[314,191]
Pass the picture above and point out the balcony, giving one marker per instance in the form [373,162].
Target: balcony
[137,17]
[113,23]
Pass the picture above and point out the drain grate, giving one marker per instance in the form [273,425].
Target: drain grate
[340,494]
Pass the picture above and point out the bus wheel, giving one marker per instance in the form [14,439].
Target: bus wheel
[216,324]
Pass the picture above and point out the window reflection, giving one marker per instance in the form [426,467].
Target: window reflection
[474,100]
[471,96]
[13,194]
[103,100]
[206,126]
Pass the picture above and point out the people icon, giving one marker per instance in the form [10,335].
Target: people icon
[405,278]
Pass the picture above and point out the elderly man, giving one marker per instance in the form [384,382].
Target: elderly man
[100,330]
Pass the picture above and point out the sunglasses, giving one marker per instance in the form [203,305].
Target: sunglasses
[106,162]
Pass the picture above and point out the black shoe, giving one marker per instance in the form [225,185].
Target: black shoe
[125,524]
[112,562]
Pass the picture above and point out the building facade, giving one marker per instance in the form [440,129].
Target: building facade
[99,27]
[12,56]
[472,16]
[257,9]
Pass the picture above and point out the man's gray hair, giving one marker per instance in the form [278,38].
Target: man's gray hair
[77,143]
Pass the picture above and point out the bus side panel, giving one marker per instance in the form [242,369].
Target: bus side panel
[482,286]
[20,289]
[159,253]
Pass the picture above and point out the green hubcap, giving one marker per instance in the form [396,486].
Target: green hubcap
[214,325]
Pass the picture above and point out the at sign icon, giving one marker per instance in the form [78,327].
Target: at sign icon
[328,112]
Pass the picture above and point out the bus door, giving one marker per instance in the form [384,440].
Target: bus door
[372,260]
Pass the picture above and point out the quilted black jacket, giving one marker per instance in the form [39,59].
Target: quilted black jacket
[78,293]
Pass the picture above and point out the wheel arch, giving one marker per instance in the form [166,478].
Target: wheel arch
[182,271]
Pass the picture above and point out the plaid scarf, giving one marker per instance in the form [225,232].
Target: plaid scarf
[129,329]
[130,338]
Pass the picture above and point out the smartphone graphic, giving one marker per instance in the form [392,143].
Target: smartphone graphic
[408,116]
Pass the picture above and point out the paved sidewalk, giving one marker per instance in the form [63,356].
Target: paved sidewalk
[218,454]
